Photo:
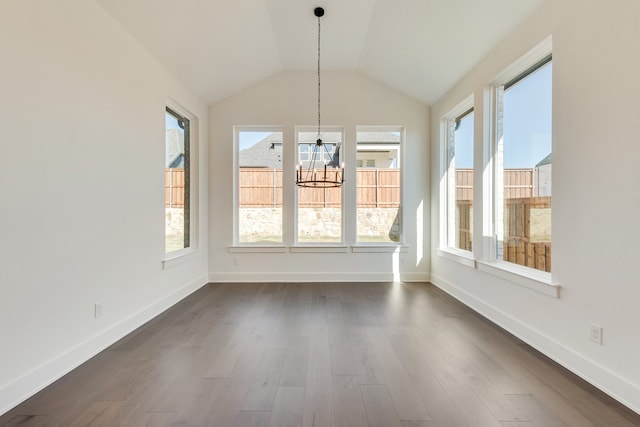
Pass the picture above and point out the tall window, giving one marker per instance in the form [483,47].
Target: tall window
[177,182]
[259,186]
[523,160]
[319,210]
[379,213]
[459,174]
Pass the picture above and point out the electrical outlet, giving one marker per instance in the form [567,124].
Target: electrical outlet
[236,261]
[97,309]
[595,333]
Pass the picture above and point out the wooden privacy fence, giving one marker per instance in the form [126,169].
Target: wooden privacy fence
[518,183]
[262,187]
[465,219]
[518,245]
[378,188]
[174,188]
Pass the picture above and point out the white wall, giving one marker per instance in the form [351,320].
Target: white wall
[288,99]
[82,198]
[596,194]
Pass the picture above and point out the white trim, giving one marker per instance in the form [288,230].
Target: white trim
[390,248]
[524,276]
[236,167]
[401,160]
[537,53]
[179,257]
[601,377]
[319,248]
[22,388]
[492,197]
[447,218]
[314,277]
[258,249]
[457,255]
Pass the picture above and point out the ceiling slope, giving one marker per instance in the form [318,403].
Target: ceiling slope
[419,47]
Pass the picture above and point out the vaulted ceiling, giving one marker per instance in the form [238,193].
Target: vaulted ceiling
[418,47]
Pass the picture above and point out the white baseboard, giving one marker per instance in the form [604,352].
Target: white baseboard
[599,376]
[314,277]
[29,384]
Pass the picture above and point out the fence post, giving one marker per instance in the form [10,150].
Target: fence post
[377,187]
[274,187]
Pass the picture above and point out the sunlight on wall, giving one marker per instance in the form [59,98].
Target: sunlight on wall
[395,264]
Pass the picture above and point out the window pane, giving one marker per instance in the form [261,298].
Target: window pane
[460,180]
[523,175]
[304,152]
[378,186]
[176,181]
[259,187]
[319,210]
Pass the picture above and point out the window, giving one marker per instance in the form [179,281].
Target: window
[303,152]
[459,179]
[177,181]
[319,210]
[523,164]
[259,186]
[378,179]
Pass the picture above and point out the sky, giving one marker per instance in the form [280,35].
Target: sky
[247,139]
[172,122]
[527,124]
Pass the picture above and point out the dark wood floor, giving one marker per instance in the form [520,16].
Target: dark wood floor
[320,355]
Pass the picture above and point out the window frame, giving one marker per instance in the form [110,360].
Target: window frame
[298,245]
[488,262]
[400,162]
[182,114]
[236,189]
[447,202]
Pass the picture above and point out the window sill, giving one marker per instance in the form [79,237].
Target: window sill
[377,248]
[258,249]
[319,249]
[457,255]
[178,257]
[539,281]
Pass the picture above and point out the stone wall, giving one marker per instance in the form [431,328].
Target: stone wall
[374,224]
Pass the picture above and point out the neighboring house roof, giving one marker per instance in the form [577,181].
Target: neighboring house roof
[545,161]
[377,137]
[266,153]
[178,162]
[174,154]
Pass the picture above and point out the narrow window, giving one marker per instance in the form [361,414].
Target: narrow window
[319,210]
[523,160]
[460,181]
[259,186]
[177,181]
[379,212]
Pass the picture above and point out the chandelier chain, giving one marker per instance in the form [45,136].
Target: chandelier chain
[321,168]
[319,77]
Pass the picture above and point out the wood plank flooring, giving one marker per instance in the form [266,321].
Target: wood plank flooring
[320,354]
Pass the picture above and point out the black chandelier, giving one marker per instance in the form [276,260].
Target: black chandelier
[318,172]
